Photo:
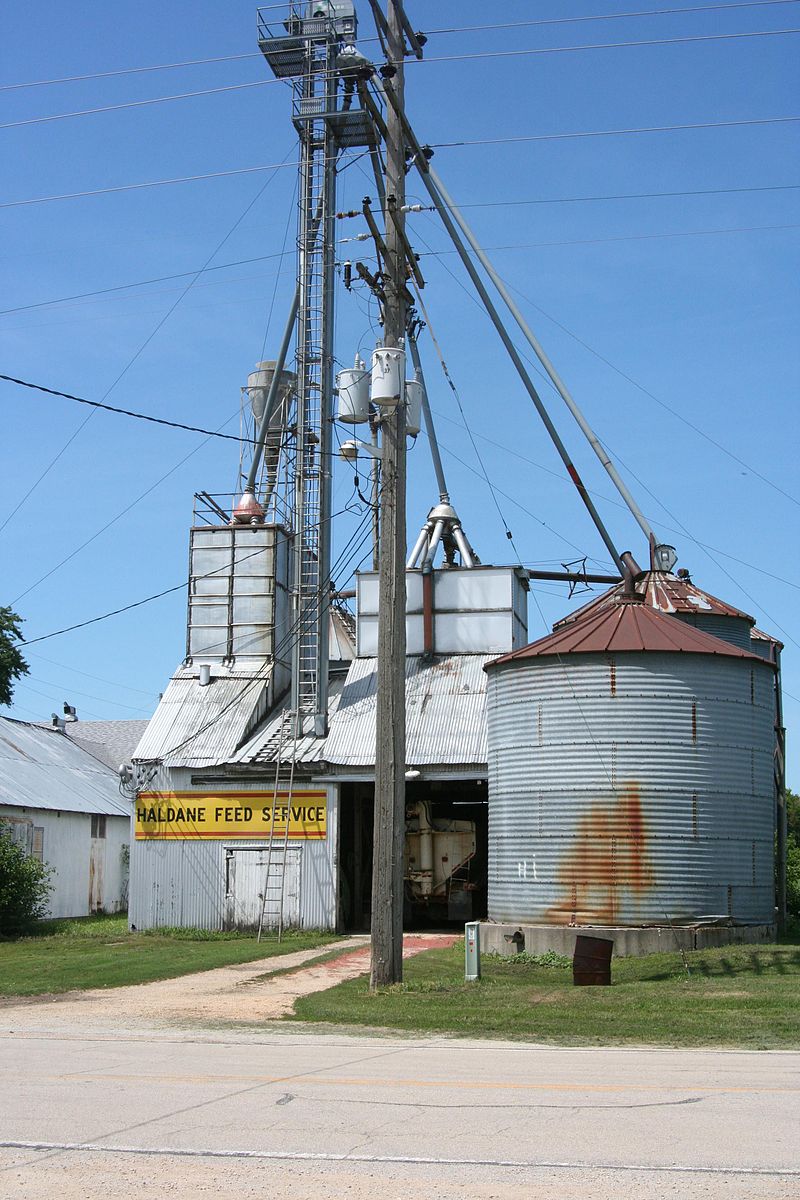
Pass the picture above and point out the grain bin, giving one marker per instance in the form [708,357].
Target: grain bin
[630,775]
[678,596]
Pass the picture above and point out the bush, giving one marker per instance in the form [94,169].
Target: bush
[793,878]
[24,888]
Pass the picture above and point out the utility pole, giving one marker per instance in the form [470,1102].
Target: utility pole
[390,733]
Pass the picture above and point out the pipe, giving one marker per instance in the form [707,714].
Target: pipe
[433,442]
[464,547]
[433,545]
[573,577]
[427,611]
[538,350]
[272,395]
[513,354]
[420,545]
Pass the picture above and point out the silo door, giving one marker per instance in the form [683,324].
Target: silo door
[246,884]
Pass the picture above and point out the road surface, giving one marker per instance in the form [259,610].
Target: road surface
[141,1110]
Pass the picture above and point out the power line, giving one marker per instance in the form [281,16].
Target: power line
[98,678]
[90,112]
[196,62]
[628,237]
[483,54]
[779,187]
[128,366]
[651,12]
[88,695]
[539,50]
[592,133]
[125,412]
[662,403]
[123,287]
[191,62]
[149,183]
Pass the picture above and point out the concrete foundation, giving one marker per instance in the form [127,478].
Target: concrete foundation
[628,942]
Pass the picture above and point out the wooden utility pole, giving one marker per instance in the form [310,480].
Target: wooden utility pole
[390,733]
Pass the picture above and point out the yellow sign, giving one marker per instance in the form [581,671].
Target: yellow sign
[188,816]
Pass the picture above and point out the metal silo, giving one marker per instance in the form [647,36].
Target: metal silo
[630,775]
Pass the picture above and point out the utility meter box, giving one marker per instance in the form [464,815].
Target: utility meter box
[472,951]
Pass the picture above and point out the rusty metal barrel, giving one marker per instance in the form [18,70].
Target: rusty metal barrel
[591,962]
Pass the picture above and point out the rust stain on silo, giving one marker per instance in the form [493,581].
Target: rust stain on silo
[609,856]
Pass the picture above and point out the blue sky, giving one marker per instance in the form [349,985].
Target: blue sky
[691,300]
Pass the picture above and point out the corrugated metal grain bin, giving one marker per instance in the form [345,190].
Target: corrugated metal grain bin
[630,775]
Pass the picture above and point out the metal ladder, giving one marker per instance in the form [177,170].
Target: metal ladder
[275,873]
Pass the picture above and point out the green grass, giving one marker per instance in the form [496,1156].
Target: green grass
[736,996]
[100,952]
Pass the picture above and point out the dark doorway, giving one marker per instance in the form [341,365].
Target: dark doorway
[445,890]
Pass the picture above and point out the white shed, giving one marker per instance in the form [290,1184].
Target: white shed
[64,807]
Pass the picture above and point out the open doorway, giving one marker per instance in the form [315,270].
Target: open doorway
[446,860]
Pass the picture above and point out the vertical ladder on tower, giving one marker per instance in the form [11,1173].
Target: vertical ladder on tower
[273,896]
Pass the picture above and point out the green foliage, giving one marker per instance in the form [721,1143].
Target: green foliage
[24,887]
[793,853]
[550,958]
[793,814]
[12,664]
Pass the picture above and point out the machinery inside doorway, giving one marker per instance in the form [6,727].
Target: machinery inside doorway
[445,860]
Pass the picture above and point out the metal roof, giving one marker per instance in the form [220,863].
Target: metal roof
[665,592]
[113,742]
[626,626]
[445,718]
[41,768]
[445,713]
[268,742]
[196,726]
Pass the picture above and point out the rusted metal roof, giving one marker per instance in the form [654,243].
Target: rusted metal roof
[665,592]
[196,726]
[625,626]
[758,635]
[42,768]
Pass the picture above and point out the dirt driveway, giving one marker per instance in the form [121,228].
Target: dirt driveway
[246,993]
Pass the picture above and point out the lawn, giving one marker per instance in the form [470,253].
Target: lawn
[737,996]
[100,952]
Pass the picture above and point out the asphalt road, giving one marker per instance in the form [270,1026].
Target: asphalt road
[289,1112]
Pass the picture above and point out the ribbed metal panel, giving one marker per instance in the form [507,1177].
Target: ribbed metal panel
[735,630]
[177,883]
[631,789]
[42,768]
[202,726]
[445,713]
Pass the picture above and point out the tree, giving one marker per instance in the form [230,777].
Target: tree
[793,853]
[24,887]
[12,664]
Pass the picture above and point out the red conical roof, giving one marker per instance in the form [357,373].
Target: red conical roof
[625,626]
[666,592]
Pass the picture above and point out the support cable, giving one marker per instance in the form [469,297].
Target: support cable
[546,362]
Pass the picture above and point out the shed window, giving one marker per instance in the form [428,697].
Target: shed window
[98,825]
[37,848]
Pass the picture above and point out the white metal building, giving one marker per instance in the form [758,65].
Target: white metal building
[62,805]
[207,761]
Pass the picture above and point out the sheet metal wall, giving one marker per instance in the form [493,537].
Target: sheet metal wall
[67,849]
[183,883]
[626,789]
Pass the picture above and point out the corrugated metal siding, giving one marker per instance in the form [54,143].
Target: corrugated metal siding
[183,883]
[445,713]
[735,630]
[42,768]
[627,789]
[202,726]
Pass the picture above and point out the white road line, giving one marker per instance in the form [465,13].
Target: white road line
[402,1160]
